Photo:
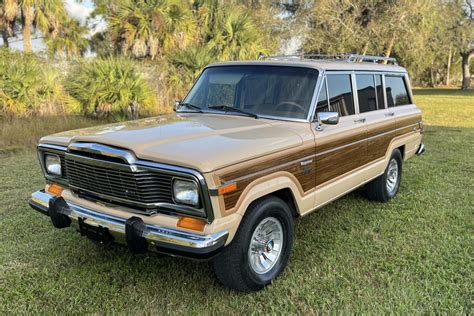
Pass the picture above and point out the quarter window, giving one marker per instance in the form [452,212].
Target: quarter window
[396,91]
[340,94]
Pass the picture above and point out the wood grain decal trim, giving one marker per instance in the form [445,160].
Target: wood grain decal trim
[313,165]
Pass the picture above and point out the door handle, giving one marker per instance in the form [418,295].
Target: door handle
[362,120]
[390,114]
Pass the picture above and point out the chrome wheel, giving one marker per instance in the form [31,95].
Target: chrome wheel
[392,176]
[266,245]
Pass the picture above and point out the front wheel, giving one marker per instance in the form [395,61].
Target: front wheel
[386,186]
[260,249]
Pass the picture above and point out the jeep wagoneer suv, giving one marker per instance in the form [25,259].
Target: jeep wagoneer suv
[253,145]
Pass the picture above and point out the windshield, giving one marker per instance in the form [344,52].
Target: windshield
[263,90]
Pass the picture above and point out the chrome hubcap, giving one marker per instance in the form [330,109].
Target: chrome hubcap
[265,245]
[392,176]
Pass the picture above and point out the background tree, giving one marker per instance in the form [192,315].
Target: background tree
[70,40]
[465,39]
[148,28]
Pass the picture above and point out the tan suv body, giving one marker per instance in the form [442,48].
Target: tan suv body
[253,145]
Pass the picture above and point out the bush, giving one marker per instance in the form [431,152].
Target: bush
[110,87]
[29,86]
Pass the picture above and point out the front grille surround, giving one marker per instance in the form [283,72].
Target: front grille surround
[143,185]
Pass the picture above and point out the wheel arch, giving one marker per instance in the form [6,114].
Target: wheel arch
[281,184]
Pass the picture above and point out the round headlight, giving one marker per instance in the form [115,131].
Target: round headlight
[52,164]
[185,192]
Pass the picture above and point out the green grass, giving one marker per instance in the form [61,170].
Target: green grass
[413,254]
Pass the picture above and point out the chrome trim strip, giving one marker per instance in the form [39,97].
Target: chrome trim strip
[104,150]
[153,233]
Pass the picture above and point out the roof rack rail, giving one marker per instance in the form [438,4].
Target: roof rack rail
[335,57]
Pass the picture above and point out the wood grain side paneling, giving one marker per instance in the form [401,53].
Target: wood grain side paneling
[329,158]
[248,172]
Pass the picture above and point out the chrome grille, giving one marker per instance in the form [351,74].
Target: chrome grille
[118,181]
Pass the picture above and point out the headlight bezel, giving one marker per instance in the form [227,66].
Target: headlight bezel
[44,150]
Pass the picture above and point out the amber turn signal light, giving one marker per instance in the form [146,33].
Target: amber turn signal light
[227,188]
[191,223]
[55,189]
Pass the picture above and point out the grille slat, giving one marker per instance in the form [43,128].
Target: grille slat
[145,187]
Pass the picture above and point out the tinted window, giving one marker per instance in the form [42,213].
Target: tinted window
[396,91]
[366,93]
[380,100]
[266,90]
[323,105]
[340,94]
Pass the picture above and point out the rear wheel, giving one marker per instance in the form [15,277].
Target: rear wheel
[386,186]
[260,249]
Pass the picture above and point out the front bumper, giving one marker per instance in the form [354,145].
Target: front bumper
[133,232]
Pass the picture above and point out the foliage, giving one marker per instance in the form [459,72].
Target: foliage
[69,42]
[419,33]
[110,87]
[148,28]
[29,86]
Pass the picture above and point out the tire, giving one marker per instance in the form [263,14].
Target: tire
[233,266]
[386,186]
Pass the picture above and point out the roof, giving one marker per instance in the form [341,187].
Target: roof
[319,64]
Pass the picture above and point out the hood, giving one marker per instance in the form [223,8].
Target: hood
[204,142]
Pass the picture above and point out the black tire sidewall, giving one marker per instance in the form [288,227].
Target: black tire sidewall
[279,210]
[398,157]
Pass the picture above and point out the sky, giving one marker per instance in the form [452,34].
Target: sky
[78,10]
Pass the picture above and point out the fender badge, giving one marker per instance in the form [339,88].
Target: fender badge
[306,162]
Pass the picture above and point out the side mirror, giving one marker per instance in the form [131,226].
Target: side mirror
[176,105]
[328,118]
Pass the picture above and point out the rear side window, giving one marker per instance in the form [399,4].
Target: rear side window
[366,93]
[340,94]
[396,89]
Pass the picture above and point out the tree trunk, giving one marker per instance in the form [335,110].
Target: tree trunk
[448,70]
[433,80]
[27,17]
[5,39]
[388,50]
[466,74]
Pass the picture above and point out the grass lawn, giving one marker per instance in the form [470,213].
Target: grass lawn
[413,254]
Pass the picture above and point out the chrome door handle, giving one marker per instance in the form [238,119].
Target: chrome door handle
[362,120]
[390,114]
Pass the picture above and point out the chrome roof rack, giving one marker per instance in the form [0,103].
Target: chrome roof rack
[335,57]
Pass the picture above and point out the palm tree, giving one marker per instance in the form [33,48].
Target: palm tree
[149,28]
[230,31]
[44,15]
[70,40]
[8,16]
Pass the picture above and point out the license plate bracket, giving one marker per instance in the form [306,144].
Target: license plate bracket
[99,233]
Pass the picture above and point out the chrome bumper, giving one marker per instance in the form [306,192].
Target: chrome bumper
[132,231]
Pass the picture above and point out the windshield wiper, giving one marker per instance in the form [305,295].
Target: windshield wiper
[227,108]
[190,106]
